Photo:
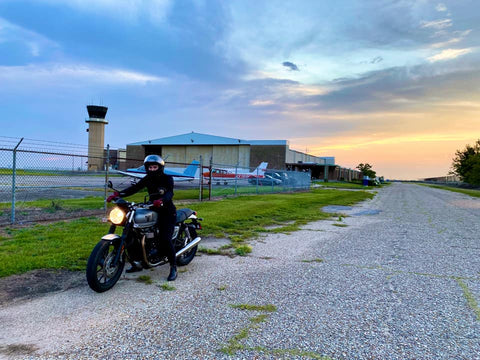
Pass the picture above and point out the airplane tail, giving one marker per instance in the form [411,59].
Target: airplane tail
[260,168]
[192,168]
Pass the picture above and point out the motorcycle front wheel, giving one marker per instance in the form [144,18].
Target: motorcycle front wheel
[188,256]
[102,275]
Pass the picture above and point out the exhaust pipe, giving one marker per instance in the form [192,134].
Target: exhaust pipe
[189,246]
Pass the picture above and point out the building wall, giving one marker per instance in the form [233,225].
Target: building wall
[134,157]
[293,156]
[273,154]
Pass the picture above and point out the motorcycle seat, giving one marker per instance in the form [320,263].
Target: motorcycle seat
[183,214]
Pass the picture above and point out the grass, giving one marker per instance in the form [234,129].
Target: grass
[471,192]
[67,244]
[167,287]
[249,307]
[145,279]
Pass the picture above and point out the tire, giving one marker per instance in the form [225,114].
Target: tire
[188,256]
[100,275]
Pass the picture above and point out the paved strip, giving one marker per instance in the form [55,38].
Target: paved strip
[400,283]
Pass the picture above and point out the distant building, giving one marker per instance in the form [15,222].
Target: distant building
[183,149]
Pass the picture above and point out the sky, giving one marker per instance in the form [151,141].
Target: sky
[392,83]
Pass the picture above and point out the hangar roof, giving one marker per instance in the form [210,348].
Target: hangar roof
[194,138]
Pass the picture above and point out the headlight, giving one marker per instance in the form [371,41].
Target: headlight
[117,216]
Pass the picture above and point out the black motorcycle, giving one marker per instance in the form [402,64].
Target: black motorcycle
[139,242]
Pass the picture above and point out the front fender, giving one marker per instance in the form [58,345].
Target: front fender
[111,238]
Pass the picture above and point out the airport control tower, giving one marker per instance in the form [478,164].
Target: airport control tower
[96,136]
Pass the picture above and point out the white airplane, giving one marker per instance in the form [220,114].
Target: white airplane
[225,175]
[187,175]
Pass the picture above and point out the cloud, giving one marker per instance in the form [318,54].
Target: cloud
[441,7]
[449,54]
[437,24]
[131,10]
[72,74]
[290,65]
[33,42]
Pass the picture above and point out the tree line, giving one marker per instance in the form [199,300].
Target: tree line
[466,164]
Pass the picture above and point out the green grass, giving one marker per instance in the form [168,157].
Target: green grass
[471,192]
[67,244]
[249,307]
[167,287]
[340,185]
[145,279]
[61,245]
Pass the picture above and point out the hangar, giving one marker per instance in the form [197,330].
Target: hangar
[222,150]
[183,149]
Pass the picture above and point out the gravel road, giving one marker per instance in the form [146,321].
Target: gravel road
[398,278]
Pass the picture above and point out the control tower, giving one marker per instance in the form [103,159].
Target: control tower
[96,136]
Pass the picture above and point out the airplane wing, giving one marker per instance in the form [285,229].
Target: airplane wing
[187,175]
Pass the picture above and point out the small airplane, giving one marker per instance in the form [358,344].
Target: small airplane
[187,175]
[225,175]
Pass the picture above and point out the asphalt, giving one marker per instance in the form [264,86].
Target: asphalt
[396,278]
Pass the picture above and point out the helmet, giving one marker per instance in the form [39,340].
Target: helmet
[154,160]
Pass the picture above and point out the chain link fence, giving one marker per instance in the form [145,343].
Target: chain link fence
[42,180]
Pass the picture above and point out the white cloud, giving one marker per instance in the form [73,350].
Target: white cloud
[449,54]
[155,10]
[441,7]
[33,41]
[73,74]
[437,24]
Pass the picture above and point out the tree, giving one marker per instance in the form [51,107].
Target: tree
[466,163]
[366,170]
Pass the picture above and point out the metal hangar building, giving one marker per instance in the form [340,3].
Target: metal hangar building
[185,148]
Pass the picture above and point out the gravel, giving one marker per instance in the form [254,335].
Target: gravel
[400,281]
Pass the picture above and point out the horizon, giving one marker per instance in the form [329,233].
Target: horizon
[351,80]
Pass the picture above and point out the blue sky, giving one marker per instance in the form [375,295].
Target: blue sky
[391,83]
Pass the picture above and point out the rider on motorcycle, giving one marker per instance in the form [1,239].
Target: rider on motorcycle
[160,190]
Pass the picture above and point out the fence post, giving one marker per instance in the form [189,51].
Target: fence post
[107,165]
[210,168]
[14,170]
[200,176]
[236,174]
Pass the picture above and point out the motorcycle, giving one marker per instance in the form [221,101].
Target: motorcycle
[139,242]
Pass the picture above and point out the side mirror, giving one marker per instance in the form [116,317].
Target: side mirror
[109,184]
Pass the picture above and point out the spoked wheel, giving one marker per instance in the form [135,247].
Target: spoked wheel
[188,256]
[101,273]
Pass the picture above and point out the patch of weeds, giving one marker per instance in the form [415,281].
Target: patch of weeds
[317,260]
[222,288]
[167,287]
[266,258]
[249,307]
[340,225]
[54,206]
[209,251]
[243,250]
[183,270]
[18,349]
[259,319]
[145,279]
[471,301]
[340,218]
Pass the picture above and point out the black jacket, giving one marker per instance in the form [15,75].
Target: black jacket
[154,185]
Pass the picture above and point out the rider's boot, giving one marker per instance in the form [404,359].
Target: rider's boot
[173,273]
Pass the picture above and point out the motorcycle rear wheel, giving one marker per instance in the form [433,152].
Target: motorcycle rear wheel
[188,256]
[101,275]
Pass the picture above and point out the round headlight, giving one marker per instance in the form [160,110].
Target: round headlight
[117,216]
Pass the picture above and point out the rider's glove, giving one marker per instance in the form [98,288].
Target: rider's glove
[116,194]
[158,203]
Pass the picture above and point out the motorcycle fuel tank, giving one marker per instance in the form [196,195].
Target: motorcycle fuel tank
[145,218]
